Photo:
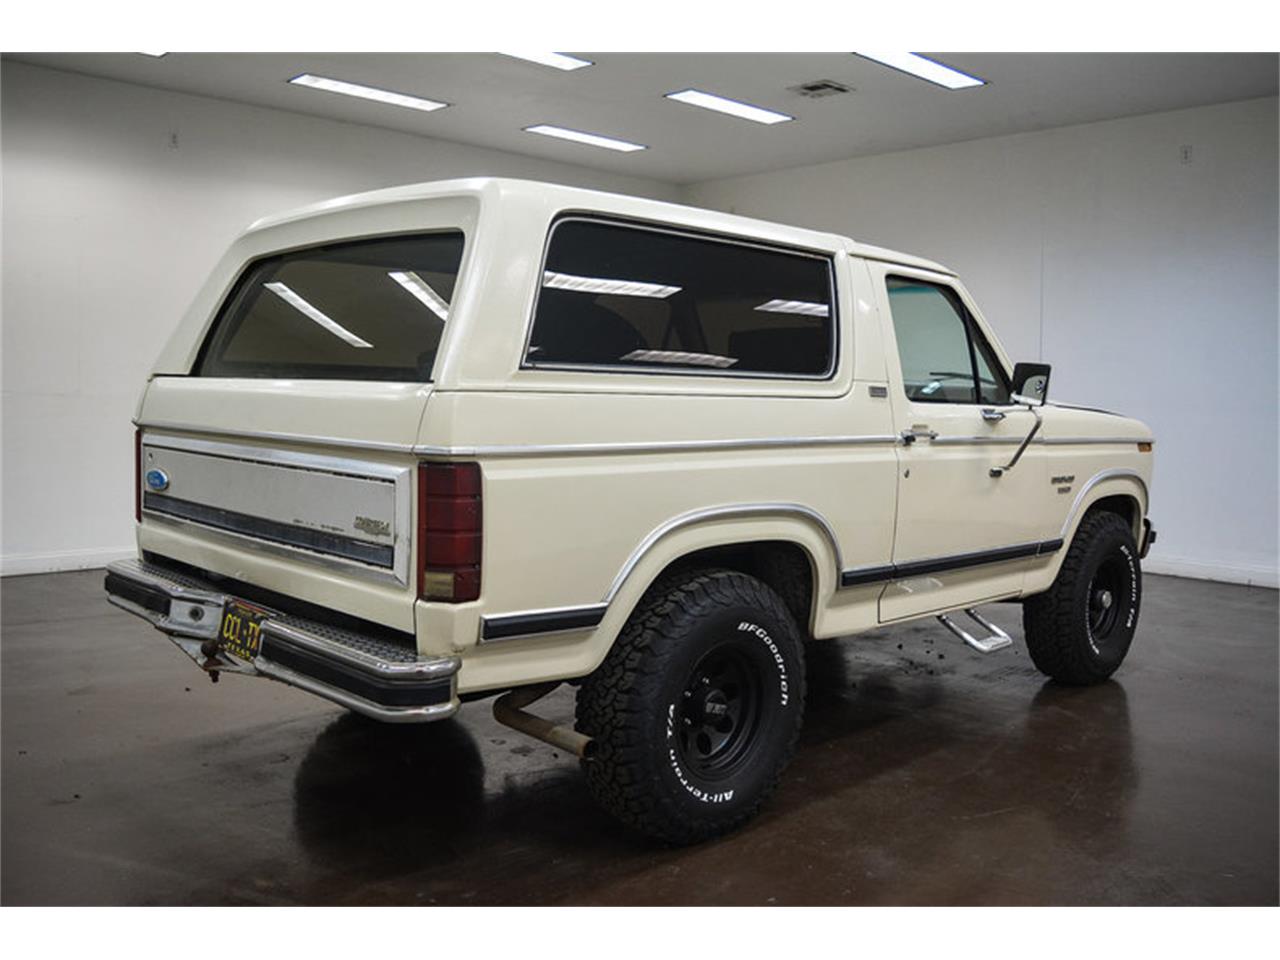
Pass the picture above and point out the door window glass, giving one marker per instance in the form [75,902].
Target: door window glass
[944,357]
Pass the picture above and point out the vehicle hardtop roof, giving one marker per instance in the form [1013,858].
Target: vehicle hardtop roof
[577,198]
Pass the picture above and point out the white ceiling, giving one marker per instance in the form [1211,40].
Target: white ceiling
[493,97]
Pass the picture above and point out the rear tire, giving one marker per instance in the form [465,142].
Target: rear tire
[696,710]
[1080,629]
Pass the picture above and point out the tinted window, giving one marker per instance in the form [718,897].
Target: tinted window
[945,358]
[371,310]
[619,296]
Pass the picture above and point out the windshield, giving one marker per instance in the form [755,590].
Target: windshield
[367,310]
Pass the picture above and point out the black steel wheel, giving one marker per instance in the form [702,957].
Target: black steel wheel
[718,714]
[1081,628]
[696,710]
[1106,591]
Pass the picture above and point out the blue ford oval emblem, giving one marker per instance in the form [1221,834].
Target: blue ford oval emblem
[157,480]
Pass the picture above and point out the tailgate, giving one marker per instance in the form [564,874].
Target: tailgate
[300,487]
[337,508]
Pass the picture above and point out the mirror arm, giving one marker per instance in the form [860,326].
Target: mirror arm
[1001,471]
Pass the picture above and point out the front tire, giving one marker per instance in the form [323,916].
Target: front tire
[696,710]
[1080,629]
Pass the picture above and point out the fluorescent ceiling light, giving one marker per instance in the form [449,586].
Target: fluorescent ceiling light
[561,61]
[422,292]
[619,288]
[709,101]
[800,307]
[591,139]
[925,69]
[311,313]
[681,356]
[148,53]
[367,93]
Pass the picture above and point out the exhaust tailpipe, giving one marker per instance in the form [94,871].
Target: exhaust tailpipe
[509,710]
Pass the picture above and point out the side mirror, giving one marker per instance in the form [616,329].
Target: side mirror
[1031,382]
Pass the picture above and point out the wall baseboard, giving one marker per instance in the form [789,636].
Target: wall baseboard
[18,564]
[1254,575]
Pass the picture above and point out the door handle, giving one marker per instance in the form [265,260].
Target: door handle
[911,436]
[991,415]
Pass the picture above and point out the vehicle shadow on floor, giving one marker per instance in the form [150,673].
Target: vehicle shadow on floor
[376,803]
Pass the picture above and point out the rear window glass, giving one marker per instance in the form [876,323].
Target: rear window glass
[627,297]
[367,310]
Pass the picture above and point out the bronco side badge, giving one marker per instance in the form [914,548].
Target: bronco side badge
[157,480]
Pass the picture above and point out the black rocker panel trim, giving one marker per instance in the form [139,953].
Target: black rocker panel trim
[957,561]
[852,578]
[551,621]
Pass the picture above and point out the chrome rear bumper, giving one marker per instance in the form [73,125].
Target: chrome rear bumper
[367,674]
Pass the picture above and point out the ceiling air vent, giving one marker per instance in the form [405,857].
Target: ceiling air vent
[816,89]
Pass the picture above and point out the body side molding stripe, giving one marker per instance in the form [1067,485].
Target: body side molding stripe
[956,561]
[860,575]
[560,620]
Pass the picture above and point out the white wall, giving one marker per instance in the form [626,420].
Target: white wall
[1150,284]
[108,230]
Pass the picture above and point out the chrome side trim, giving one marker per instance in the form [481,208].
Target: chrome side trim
[727,512]
[661,446]
[301,438]
[1097,478]
[977,441]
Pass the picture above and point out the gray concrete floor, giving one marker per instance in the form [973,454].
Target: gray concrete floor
[926,775]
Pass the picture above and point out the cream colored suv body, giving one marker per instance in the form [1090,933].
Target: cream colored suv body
[594,480]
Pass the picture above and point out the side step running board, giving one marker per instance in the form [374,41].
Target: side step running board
[997,640]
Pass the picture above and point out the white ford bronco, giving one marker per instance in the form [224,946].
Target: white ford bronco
[477,438]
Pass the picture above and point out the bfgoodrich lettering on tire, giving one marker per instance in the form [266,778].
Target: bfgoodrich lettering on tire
[1080,629]
[697,708]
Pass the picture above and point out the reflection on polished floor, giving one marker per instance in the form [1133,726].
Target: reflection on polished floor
[926,775]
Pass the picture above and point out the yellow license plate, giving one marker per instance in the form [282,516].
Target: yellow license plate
[241,634]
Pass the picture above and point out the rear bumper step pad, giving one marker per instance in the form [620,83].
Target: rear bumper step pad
[367,674]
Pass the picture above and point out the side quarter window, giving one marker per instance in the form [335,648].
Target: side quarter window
[945,358]
[618,297]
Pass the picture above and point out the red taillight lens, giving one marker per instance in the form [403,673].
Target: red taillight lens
[137,476]
[449,531]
